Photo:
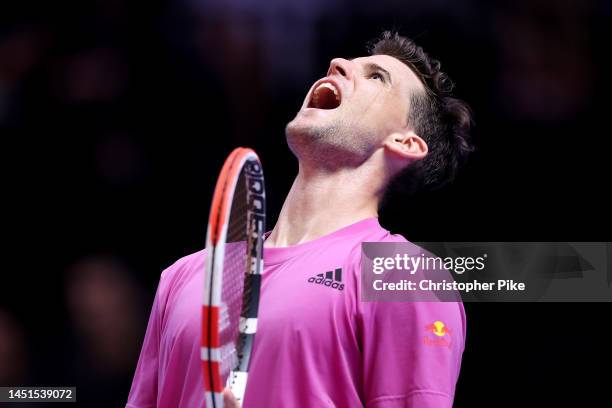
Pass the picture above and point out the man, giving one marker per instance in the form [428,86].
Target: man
[375,121]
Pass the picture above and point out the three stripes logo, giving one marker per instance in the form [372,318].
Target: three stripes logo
[332,279]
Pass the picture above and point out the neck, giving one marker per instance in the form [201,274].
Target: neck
[322,201]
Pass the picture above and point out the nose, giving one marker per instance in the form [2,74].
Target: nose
[342,67]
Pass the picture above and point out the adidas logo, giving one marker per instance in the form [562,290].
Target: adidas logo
[332,279]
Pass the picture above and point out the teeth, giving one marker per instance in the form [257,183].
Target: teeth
[329,86]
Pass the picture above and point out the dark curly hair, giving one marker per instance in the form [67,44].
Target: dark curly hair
[444,122]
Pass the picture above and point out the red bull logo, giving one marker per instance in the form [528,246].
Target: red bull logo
[441,335]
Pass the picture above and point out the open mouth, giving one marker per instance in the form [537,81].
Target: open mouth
[325,96]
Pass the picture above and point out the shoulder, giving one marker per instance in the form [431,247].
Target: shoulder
[376,235]
[181,269]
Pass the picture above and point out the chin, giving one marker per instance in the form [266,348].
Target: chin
[314,121]
[298,127]
[299,138]
[306,130]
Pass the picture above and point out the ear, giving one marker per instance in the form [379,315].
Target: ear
[407,145]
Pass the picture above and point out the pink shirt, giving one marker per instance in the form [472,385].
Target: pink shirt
[317,344]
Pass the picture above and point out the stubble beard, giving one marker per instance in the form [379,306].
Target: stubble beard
[327,146]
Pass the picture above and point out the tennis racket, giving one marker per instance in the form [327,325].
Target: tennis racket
[232,279]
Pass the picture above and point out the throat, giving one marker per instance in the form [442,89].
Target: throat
[317,207]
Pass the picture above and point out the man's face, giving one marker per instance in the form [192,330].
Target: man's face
[347,115]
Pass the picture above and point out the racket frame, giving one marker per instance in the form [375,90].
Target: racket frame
[241,158]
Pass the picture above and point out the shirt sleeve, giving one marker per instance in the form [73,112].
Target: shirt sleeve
[143,393]
[411,353]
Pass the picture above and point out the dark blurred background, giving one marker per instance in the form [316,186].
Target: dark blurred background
[116,115]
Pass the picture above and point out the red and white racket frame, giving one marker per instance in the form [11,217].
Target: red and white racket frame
[215,244]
